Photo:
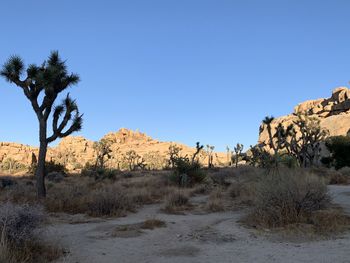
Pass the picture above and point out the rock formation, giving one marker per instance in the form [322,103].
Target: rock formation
[75,151]
[333,113]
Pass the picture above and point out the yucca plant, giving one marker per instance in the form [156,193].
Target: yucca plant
[46,81]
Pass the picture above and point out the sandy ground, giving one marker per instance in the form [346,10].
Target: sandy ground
[194,237]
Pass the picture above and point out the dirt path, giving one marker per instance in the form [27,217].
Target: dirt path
[215,237]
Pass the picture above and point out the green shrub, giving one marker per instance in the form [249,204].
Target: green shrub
[50,167]
[339,147]
[187,173]
[99,173]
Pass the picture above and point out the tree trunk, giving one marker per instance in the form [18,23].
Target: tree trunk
[40,170]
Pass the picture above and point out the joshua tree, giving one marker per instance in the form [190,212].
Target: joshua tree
[228,156]
[133,160]
[199,148]
[277,141]
[209,151]
[174,153]
[46,81]
[154,160]
[305,141]
[103,149]
[238,152]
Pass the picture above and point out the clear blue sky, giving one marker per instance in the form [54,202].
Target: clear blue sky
[179,70]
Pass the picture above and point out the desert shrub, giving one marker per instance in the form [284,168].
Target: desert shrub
[12,166]
[50,167]
[187,173]
[109,201]
[330,221]
[7,182]
[152,224]
[23,191]
[176,201]
[288,198]
[20,239]
[67,198]
[338,178]
[216,201]
[345,171]
[99,173]
[288,161]
[222,176]
[235,189]
[242,192]
[330,175]
[339,147]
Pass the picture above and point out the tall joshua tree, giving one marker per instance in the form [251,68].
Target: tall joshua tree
[46,81]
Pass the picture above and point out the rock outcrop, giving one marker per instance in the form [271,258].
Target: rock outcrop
[333,113]
[75,151]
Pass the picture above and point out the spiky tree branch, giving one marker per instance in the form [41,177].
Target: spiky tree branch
[49,79]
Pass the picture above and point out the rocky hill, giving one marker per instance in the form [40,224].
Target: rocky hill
[333,113]
[76,151]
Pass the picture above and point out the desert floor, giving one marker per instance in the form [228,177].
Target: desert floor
[191,237]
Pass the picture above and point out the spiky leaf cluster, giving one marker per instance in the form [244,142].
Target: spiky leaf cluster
[50,78]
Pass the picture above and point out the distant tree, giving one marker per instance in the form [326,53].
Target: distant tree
[199,148]
[277,140]
[46,81]
[305,141]
[228,156]
[134,160]
[174,153]
[154,160]
[238,152]
[103,150]
[210,150]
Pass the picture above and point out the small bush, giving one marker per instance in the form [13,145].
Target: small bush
[50,167]
[330,222]
[338,178]
[99,173]
[176,201]
[19,236]
[187,173]
[345,171]
[339,146]
[216,201]
[109,201]
[152,224]
[287,199]
[67,198]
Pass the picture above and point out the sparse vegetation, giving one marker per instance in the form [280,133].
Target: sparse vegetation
[288,198]
[238,152]
[20,240]
[176,202]
[339,148]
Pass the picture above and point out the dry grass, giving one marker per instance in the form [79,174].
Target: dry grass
[216,201]
[152,224]
[332,176]
[288,198]
[295,197]
[176,202]
[109,201]
[296,201]
[135,230]
[20,239]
